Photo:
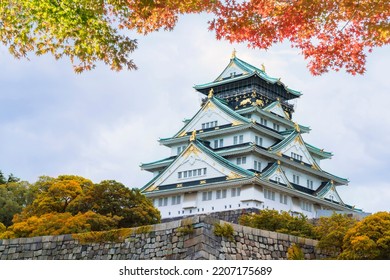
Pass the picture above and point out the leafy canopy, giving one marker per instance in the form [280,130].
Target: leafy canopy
[73,204]
[332,34]
[369,239]
[331,231]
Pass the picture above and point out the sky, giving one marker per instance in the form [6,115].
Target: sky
[103,124]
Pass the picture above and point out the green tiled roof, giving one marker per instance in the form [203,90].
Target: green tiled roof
[221,160]
[250,71]
[221,104]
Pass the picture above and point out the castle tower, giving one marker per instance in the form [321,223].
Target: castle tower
[242,150]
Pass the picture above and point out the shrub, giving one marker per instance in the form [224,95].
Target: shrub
[225,230]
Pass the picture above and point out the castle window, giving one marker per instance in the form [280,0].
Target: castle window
[257,165]
[310,184]
[176,199]
[221,194]
[218,143]
[235,192]
[269,194]
[276,127]
[163,201]
[207,196]
[238,139]
[283,198]
[191,173]
[209,124]
[296,156]
[241,160]
[296,179]
[306,206]
[263,121]
[258,140]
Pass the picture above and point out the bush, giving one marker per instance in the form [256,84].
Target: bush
[282,222]
[295,252]
[225,230]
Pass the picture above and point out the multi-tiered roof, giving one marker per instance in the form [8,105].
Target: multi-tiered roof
[230,145]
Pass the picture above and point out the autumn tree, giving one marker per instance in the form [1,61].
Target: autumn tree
[73,204]
[369,239]
[330,232]
[332,34]
[113,198]
[60,223]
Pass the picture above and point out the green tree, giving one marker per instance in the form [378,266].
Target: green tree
[113,198]
[331,232]
[14,197]
[2,178]
[282,222]
[369,239]
[12,178]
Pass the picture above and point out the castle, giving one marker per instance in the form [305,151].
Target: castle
[242,150]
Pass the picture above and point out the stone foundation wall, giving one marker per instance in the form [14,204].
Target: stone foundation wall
[165,241]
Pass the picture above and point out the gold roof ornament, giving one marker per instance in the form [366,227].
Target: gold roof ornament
[297,128]
[234,53]
[211,94]
[193,136]
[263,67]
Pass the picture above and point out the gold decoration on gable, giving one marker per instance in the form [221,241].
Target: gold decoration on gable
[234,123]
[211,94]
[234,53]
[193,136]
[259,102]
[298,140]
[209,105]
[191,150]
[152,188]
[233,176]
[183,133]
[245,102]
[297,128]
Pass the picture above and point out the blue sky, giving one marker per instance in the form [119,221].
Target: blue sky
[103,124]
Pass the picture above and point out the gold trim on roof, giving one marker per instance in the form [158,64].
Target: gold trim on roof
[211,94]
[232,176]
[193,136]
[234,53]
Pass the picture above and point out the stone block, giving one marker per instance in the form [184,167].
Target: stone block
[265,233]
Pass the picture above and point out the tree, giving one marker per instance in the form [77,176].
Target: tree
[54,195]
[113,198]
[332,34]
[14,197]
[282,222]
[331,232]
[73,204]
[369,239]
[2,178]
[60,223]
